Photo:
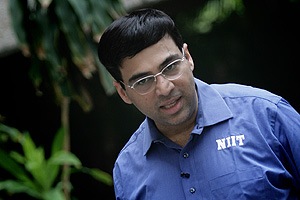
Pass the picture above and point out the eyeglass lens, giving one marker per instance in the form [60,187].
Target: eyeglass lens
[171,72]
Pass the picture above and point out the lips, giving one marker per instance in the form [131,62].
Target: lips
[171,106]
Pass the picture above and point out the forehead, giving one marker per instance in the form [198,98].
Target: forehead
[149,59]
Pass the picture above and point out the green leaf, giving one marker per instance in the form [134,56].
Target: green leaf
[100,16]
[35,73]
[216,11]
[29,147]
[18,157]
[7,163]
[54,194]
[36,165]
[18,187]
[99,175]
[49,42]
[73,33]
[17,15]
[35,161]
[13,133]
[51,171]
[106,80]
[58,141]
[81,9]
[64,157]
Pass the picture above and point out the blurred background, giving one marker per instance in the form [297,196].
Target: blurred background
[251,42]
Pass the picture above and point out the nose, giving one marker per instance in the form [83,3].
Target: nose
[163,86]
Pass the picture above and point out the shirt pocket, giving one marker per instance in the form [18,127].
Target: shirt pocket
[240,184]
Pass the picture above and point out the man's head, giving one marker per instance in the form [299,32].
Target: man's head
[132,33]
[152,67]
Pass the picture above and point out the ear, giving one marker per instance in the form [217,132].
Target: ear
[188,56]
[122,93]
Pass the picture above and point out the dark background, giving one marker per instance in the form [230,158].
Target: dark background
[259,48]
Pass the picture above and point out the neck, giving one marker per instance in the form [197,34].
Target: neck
[181,138]
[179,134]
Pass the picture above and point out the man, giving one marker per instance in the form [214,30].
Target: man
[198,141]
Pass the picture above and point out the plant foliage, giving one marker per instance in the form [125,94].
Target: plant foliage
[60,38]
[33,173]
[216,11]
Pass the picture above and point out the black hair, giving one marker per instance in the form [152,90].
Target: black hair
[132,33]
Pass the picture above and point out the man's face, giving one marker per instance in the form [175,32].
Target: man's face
[170,103]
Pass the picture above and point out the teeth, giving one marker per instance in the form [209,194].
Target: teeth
[170,105]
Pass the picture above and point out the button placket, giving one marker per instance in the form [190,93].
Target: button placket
[185,174]
[188,180]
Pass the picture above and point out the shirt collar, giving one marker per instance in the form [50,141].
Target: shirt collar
[212,109]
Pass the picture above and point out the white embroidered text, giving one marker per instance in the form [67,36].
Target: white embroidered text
[230,141]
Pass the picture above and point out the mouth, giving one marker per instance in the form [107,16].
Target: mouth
[171,106]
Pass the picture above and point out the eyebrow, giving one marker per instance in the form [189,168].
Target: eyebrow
[169,59]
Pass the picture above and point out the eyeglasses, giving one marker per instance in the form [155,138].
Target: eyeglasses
[171,71]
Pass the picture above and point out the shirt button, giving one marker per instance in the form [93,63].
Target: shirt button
[185,155]
[192,190]
[185,175]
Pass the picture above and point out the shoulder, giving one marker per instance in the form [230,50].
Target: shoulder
[249,100]
[134,144]
[135,138]
[233,90]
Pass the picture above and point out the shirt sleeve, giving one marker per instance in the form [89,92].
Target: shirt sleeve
[119,194]
[287,130]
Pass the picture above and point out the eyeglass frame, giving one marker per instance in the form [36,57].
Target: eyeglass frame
[155,75]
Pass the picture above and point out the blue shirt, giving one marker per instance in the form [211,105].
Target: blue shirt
[245,145]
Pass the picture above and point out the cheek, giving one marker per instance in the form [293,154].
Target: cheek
[145,105]
[186,83]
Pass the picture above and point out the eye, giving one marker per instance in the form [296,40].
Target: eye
[171,66]
[143,81]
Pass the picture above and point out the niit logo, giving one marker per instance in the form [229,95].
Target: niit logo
[230,141]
